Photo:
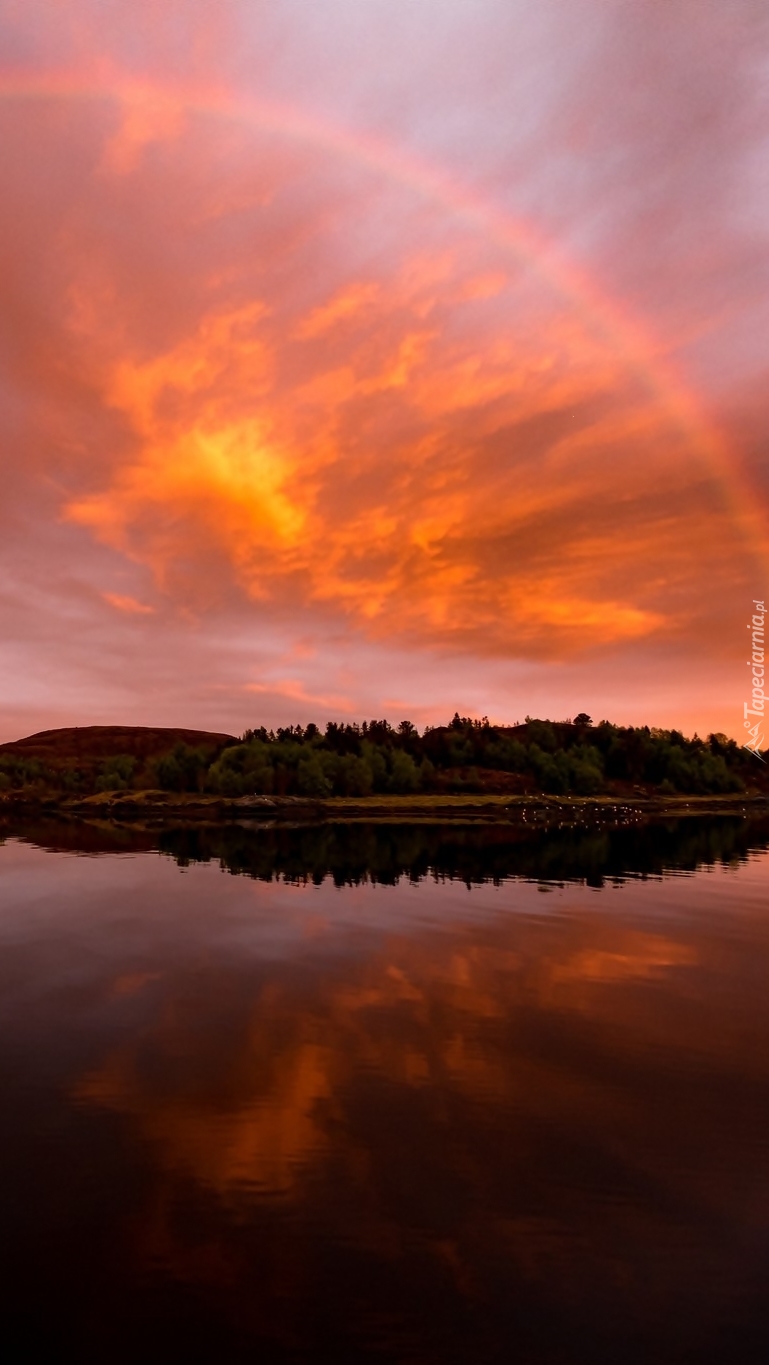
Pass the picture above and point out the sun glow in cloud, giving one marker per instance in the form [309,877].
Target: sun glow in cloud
[401,455]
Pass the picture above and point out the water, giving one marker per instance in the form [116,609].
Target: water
[426,1094]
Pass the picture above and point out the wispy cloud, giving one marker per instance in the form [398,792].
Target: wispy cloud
[128,604]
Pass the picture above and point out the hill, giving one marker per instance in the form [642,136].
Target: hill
[107,741]
[80,759]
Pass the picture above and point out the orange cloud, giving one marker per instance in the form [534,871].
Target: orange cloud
[348,304]
[293,690]
[414,479]
[128,604]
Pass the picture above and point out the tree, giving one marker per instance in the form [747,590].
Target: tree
[310,777]
[404,773]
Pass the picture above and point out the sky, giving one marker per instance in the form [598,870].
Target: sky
[382,358]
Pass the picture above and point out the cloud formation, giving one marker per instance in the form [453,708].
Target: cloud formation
[326,358]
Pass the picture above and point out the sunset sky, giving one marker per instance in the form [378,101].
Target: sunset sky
[382,357]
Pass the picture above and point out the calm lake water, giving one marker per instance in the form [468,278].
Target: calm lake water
[425,1094]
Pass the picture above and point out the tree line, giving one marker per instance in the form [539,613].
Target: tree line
[375,757]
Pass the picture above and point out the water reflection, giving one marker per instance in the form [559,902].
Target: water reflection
[271,1119]
[592,850]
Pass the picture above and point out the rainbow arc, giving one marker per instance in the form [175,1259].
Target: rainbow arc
[599,313]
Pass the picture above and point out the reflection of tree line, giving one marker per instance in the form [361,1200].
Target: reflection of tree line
[384,852]
[349,854]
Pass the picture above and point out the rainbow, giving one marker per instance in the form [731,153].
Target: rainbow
[608,322]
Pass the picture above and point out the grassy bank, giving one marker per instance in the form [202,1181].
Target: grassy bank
[161,804]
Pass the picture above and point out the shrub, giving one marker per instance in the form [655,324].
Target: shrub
[311,780]
[404,773]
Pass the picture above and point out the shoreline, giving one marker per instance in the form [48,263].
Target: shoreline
[439,808]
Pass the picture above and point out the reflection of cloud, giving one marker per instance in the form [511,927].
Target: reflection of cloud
[259,1142]
[254,1117]
[645,955]
[131,983]
[441,1102]
[532,1100]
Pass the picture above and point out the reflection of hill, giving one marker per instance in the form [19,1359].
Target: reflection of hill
[354,853]
[80,836]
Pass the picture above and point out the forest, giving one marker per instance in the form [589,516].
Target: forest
[374,757]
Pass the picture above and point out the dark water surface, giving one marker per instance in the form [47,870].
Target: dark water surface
[393,1093]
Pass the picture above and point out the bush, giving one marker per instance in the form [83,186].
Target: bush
[115,776]
[354,776]
[541,733]
[404,773]
[551,774]
[182,770]
[586,779]
[508,755]
[311,780]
